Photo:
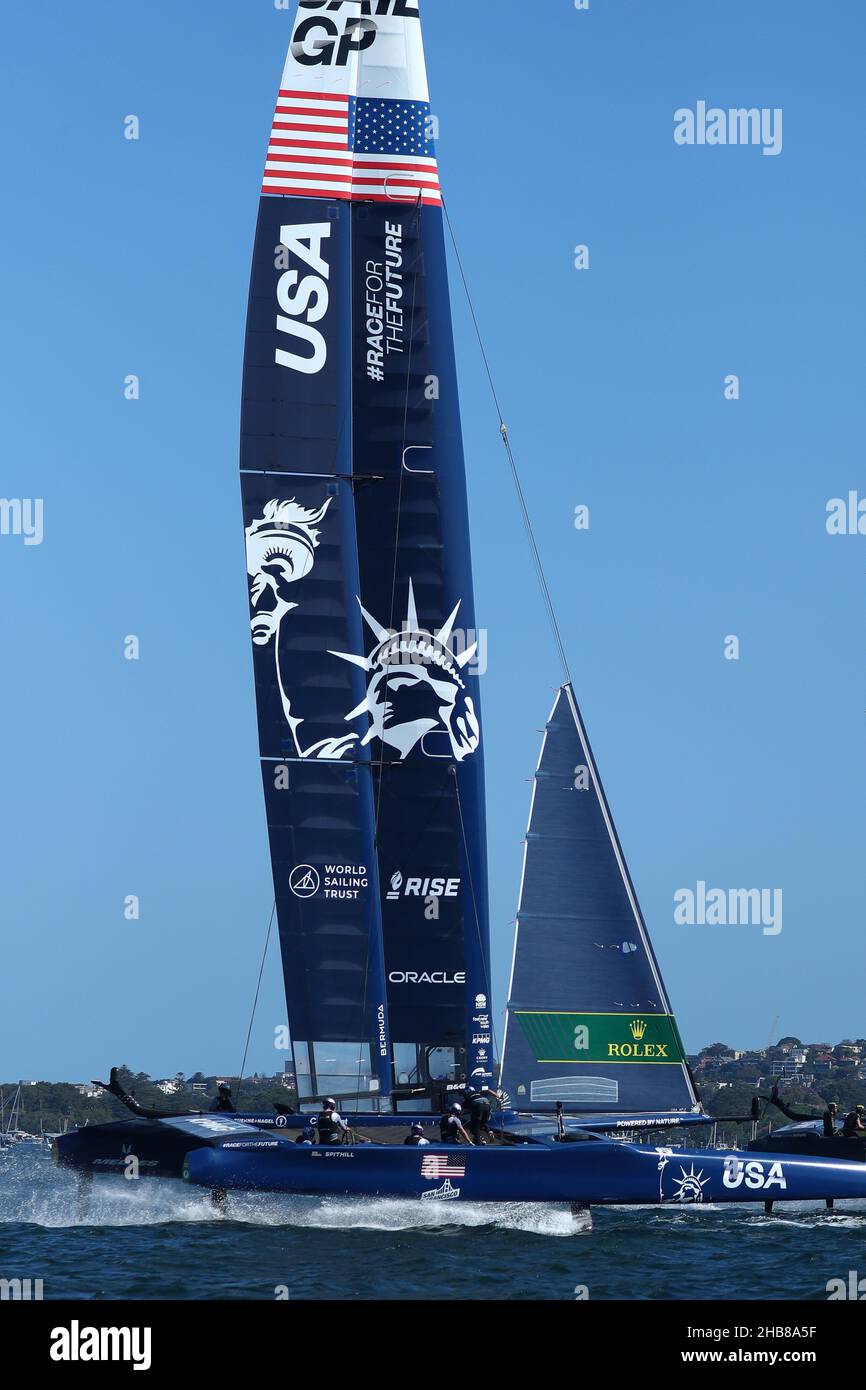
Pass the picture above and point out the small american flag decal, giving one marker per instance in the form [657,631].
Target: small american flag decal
[441,1166]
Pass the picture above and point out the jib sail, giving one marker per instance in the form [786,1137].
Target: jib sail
[589,1020]
[366,658]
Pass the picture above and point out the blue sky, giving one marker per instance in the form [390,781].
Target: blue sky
[707,516]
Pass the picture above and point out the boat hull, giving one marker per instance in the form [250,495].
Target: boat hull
[161,1145]
[594,1173]
[158,1146]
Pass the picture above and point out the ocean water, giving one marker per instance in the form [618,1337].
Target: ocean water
[149,1240]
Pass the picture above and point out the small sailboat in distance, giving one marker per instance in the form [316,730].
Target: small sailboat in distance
[371,732]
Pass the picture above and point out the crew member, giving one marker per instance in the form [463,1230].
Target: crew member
[855,1123]
[331,1126]
[451,1127]
[830,1120]
[478,1122]
[416,1136]
[223,1101]
[306,1136]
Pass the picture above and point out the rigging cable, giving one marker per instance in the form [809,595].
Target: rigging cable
[521,497]
[255,1003]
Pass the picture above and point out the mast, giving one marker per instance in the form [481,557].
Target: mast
[359,571]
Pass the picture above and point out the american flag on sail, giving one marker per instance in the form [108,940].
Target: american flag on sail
[441,1166]
[325,145]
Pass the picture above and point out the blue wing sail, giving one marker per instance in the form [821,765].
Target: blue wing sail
[359,573]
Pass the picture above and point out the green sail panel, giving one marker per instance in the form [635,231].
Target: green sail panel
[616,1039]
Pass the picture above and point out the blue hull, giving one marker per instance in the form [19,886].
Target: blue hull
[595,1173]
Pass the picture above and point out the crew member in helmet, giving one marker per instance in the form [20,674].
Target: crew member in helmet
[451,1127]
[855,1124]
[307,1135]
[830,1120]
[223,1102]
[331,1126]
[416,1135]
[478,1121]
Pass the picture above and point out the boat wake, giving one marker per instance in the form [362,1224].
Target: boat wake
[391,1214]
[38,1194]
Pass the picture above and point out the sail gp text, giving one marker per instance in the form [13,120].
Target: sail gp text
[330,42]
[384,303]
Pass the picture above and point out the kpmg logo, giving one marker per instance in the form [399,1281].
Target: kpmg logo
[303,302]
[305,881]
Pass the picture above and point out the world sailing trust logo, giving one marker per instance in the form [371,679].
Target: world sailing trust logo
[336,882]
[720,907]
[416,678]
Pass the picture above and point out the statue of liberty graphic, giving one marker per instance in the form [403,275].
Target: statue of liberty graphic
[415,684]
[281,551]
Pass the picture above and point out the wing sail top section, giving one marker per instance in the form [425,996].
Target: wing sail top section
[352,119]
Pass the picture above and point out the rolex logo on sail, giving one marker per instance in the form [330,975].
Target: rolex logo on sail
[638,1049]
[594,1038]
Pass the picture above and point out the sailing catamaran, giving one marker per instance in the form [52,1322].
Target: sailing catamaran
[371,735]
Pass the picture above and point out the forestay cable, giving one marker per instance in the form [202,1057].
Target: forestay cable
[255,1003]
[503,430]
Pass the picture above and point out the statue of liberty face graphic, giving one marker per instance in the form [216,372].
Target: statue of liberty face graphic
[281,548]
[416,686]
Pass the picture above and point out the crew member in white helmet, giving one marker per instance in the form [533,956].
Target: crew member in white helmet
[451,1127]
[330,1124]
